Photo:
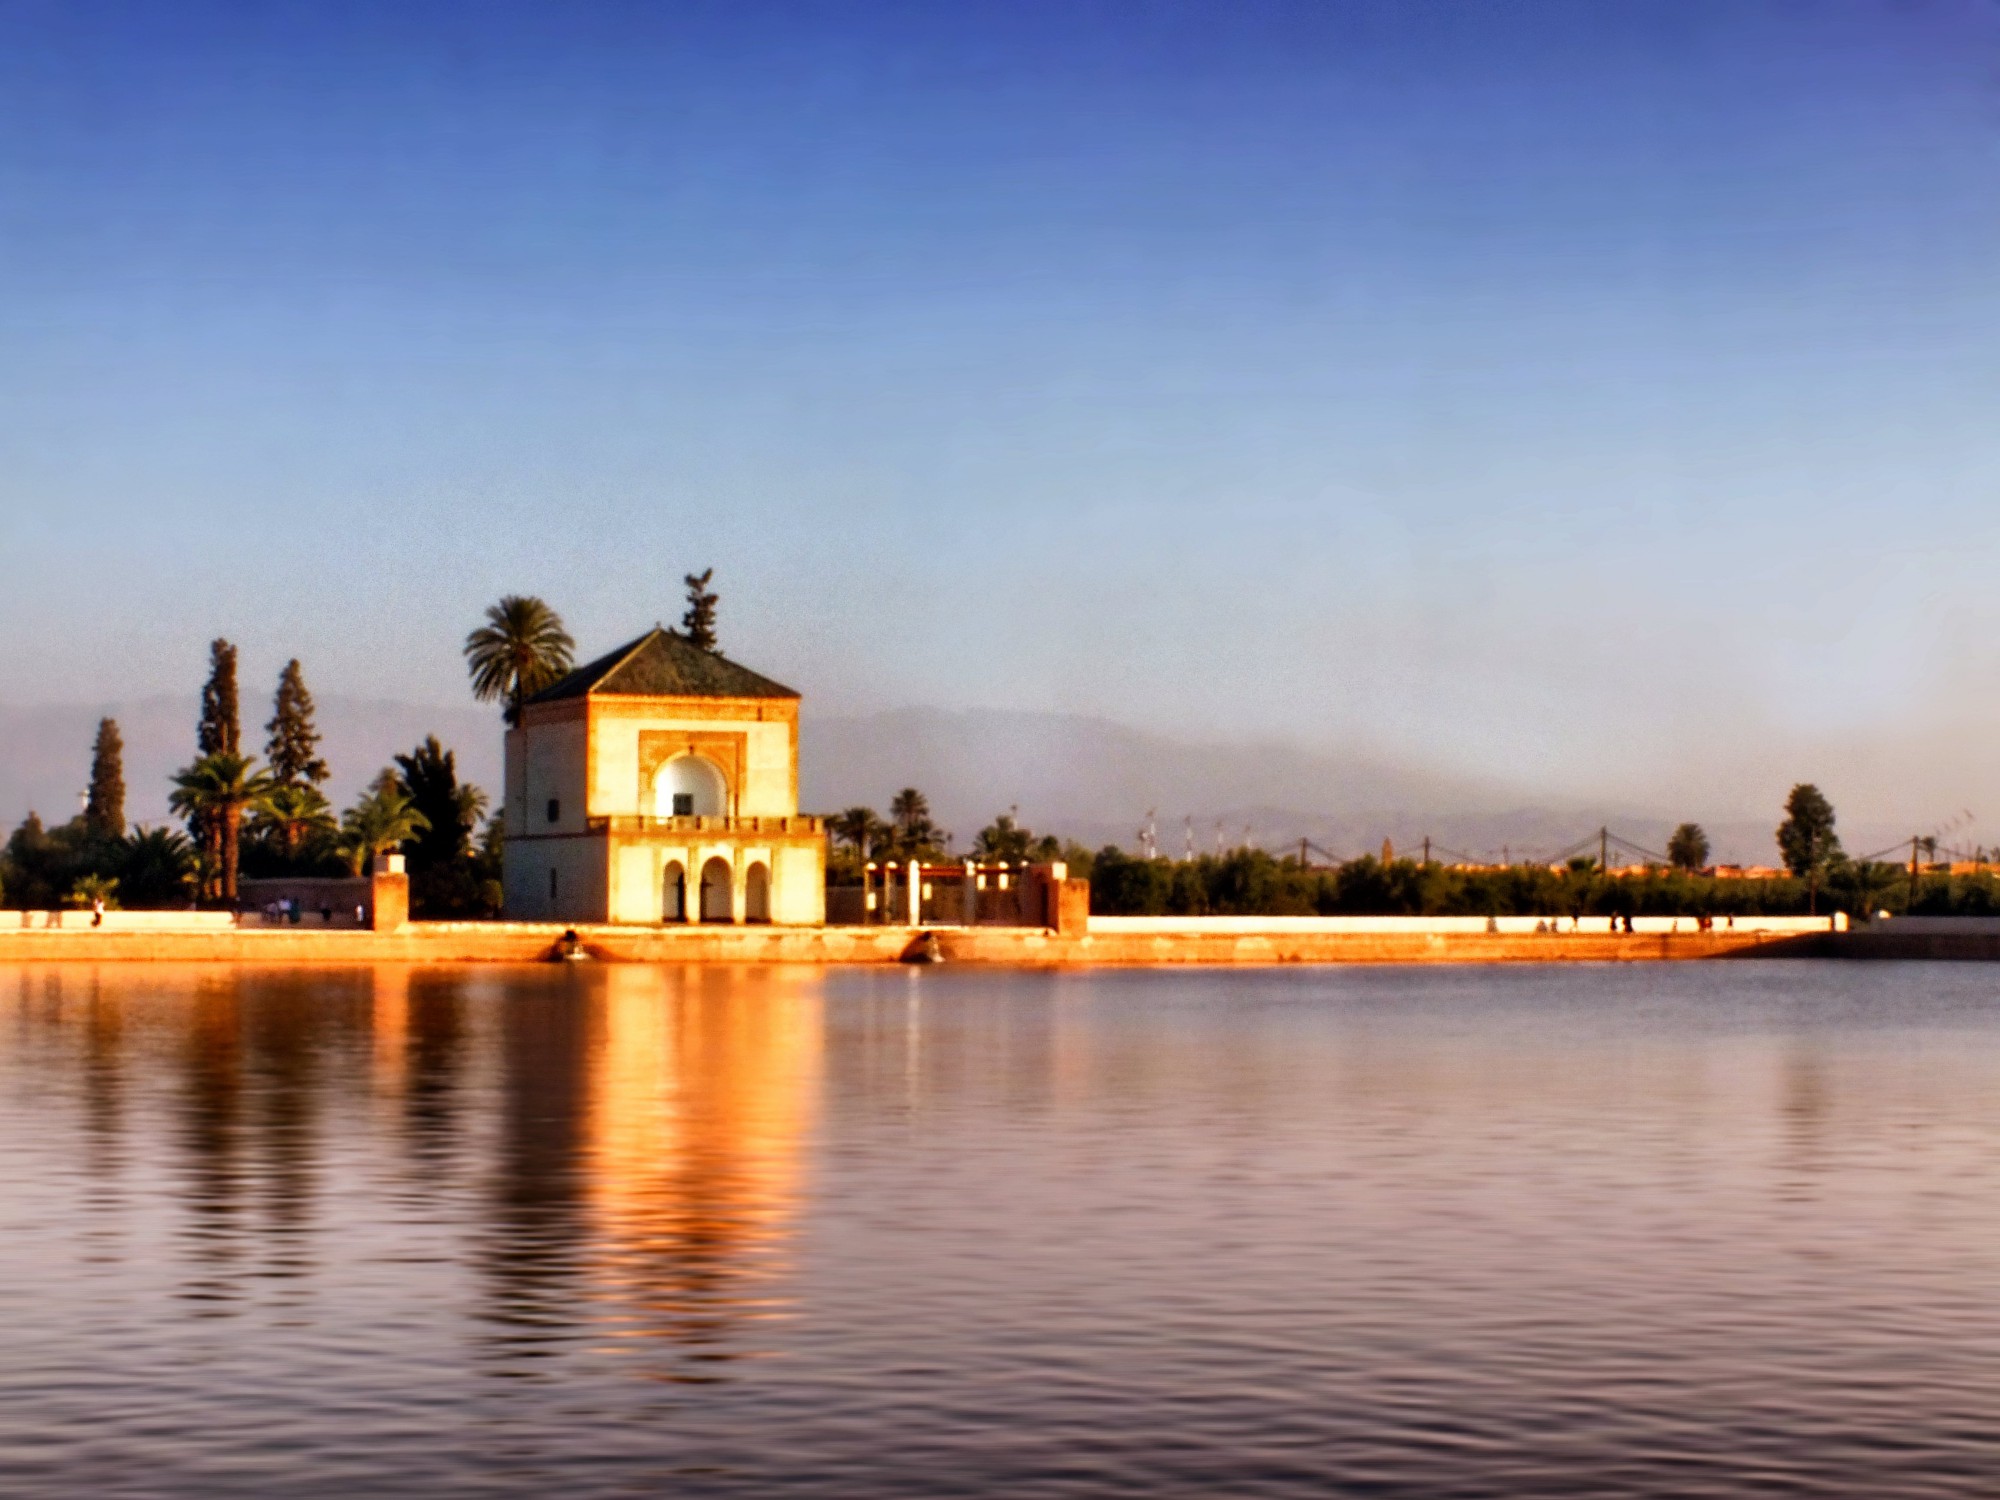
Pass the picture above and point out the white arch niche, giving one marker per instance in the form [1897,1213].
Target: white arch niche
[689,786]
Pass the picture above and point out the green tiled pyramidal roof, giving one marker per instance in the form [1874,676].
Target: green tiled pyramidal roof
[661,664]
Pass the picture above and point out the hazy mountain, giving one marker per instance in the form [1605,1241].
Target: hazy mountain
[1082,777]
[1096,781]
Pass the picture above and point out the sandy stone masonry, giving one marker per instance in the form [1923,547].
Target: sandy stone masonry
[659,786]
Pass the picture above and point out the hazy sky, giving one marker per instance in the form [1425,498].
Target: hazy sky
[1594,394]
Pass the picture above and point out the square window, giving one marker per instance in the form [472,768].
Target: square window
[555,808]
[683,804]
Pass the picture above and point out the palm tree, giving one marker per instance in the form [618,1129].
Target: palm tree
[915,834]
[90,889]
[521,649]
[860,829]
[909,807]
[383,820]
[215,792]
[156,865]
[293,812]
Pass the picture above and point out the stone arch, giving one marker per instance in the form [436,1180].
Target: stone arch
[757,893]
[717,891]
[693,782]
[673,892]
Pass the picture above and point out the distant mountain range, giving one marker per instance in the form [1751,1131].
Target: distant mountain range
[1081,777]
[1096,781]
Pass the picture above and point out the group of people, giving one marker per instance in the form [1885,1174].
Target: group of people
[1622,922]
[285,912]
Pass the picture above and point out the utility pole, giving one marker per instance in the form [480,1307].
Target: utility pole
[1302,855]
[1427,851]
[1603,851]
[1915,839]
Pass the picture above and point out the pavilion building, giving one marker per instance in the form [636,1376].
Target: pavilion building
[660,783]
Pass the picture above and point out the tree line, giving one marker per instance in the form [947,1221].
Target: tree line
[1818,877]
[246,819]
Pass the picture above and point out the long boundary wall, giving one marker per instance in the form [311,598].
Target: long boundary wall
[528,942]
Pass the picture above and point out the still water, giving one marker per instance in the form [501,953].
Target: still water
[1724,1229]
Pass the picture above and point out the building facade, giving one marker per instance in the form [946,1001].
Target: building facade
[660,783]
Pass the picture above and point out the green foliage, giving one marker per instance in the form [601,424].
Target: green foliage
[912,833]
[41,867]
[214,795]
[1687,847]
[156,868]
[1806,839]
[858,836]
[521,649]
[1005,839]
[88,890]
[384,819]
[698,624]
[292,833]
[293,747]
[1250,882]
[105,810]
[445,878]
[221,730]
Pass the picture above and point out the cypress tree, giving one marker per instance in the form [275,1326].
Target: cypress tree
[294,743]
[221,730]
[104,814]
[698,624]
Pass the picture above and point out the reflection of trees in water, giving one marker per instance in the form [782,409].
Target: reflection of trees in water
[535,1225]
[210,1121]
[253,1083]
[103,1087]
[1807,1110]
[421,1035]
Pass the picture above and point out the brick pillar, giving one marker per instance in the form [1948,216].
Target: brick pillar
[1065,902]
[969,898]
[389,894]
[915,914]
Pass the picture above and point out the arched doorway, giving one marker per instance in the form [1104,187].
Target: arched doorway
[674,893]
[689,786]
[715,891]
[757,893]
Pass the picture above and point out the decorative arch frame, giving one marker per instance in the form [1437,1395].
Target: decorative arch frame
[726,752]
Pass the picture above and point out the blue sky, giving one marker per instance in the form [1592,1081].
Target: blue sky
[1588,394]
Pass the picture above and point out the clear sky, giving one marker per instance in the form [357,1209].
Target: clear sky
[1590,394]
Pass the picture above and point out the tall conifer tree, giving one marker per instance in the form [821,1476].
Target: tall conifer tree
[292,750]
[698,624]
[104,813]
[221,730]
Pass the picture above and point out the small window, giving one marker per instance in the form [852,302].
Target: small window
[683,804]
[552,885]
[555,809]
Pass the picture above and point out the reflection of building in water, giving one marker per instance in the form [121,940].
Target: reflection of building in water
[703,1085]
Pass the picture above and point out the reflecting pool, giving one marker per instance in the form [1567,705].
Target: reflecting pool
[1725,1229]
